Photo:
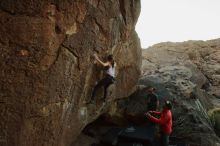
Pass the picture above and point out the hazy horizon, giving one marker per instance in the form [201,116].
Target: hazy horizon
[178,21]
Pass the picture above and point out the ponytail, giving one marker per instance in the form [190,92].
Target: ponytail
[113,63]
[110,59]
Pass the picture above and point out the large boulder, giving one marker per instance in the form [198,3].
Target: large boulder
[200,57]
[187,74]
[47,73]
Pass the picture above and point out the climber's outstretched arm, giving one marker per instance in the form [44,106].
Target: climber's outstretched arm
[101,62]
[155,112]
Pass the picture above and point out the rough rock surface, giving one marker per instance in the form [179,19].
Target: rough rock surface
[47,73]
[187,74]
[204,56]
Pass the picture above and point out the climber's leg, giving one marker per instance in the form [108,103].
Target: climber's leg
[100,84]
[109,81]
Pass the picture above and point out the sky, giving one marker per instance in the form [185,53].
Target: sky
[178,20]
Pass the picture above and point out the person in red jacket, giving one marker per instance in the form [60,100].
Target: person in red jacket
[165,122]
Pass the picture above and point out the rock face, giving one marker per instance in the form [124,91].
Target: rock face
[203,56]
[187,74]
[46,65]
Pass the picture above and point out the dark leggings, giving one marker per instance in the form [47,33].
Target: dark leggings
[105,82]
[164,139]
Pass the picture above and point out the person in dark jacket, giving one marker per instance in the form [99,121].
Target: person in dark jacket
[152,99]
[165,122]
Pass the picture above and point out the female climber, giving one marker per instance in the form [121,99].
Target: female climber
[108,78]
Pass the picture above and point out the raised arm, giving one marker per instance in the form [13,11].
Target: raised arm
[155,112]
[101,62]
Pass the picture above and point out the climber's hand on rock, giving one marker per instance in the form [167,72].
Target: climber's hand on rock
[147,114]
[150,112]
[96,56]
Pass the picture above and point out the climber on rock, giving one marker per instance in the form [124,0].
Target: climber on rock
[165,122]
[152,99]
[108,78]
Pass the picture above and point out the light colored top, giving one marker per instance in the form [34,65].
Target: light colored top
[111,71]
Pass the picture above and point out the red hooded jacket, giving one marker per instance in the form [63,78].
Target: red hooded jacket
[165,120]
